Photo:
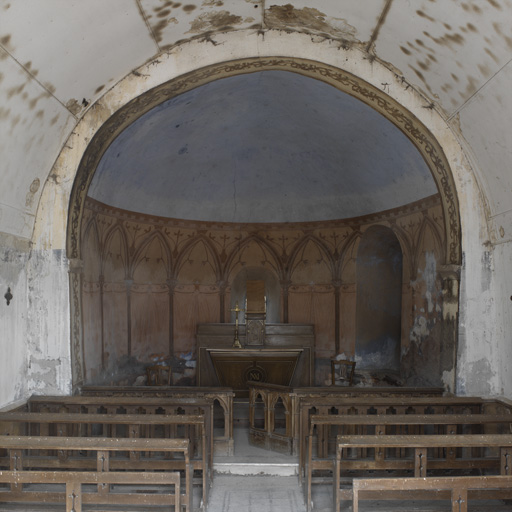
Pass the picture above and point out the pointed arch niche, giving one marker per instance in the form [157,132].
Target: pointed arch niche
[149,279]
[379,301]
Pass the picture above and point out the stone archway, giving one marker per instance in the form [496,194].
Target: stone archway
[100,125]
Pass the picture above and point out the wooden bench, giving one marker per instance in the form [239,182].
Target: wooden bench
[141,490]
[421,462]
[391,424]
[272,404]
[221,397]
[382,406]
[458,490]
[76,454]
[129,405]
[121,426]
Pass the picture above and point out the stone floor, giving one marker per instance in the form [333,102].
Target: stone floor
[258,480]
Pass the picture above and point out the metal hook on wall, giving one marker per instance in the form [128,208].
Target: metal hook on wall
[8,296]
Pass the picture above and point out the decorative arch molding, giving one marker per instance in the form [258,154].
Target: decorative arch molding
[294,258]
[185,251]
[275,263]
[138,255]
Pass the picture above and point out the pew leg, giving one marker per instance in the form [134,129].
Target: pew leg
[73,497]
[355,500]
[459,500]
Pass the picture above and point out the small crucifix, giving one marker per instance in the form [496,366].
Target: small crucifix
[236,341]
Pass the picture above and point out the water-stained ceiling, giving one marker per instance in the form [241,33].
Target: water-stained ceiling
[58,57]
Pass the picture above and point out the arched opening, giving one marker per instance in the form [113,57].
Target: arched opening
[379,301]
[272,292]
[259,412]
[198,286]
[280,417]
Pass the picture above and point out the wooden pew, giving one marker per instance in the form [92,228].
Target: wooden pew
[101,455]
[73,495]
[111,425]
[421,462]
[459,489]
[390,424]
[221,397]
[288,439]
[387,406]
[129,405]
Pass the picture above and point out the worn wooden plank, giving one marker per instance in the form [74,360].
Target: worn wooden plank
[460,489]
[74,496]
[425,441]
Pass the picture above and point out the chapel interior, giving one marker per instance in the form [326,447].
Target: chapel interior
[271,200]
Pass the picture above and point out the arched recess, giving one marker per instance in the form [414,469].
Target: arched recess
[272,292]
[93,300]
[379,300]
[196,298]
[411,126]
[150,315]
[254,259]
[314,295]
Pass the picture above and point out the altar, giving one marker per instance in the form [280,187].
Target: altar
[285,356]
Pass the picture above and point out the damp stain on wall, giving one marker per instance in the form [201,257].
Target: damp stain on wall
[309,19]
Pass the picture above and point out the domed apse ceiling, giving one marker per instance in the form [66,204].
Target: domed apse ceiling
[272,146]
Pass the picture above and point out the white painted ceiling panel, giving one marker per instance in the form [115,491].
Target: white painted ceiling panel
[76,48]
[449,48]
[487,123]
[33,127]
[456,51]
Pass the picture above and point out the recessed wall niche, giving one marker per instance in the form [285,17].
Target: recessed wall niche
[149,281]
[254,175]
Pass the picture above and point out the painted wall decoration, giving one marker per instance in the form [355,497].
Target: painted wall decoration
[149,281]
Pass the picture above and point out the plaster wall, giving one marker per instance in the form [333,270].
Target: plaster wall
[14,255]
[478,309]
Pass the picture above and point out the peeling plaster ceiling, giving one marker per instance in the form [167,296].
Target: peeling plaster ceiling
[271,146]
[54,54]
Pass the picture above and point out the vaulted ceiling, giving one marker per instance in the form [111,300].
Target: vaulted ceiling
[58,57]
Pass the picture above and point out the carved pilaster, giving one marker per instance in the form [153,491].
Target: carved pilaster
[76,267]
[102,318]
[222,300]
[450,276]
[129,284]
[285,287]
[171,285]
[337,286]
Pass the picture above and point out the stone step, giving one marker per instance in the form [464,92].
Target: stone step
[256,468]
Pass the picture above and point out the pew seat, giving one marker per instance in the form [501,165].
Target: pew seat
[102,455]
